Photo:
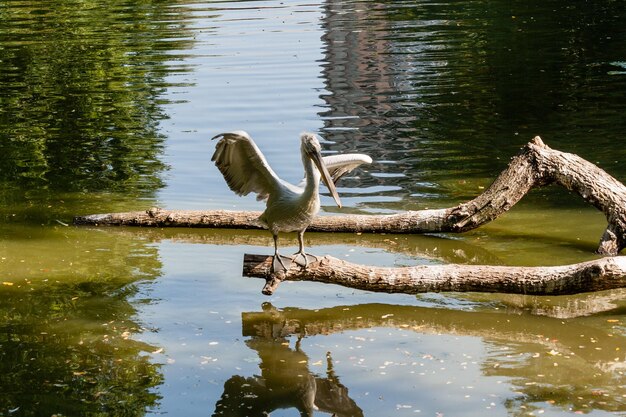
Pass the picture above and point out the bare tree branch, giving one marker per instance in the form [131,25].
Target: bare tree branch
[597,275]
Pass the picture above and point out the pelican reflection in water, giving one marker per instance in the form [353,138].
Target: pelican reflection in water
[289,207]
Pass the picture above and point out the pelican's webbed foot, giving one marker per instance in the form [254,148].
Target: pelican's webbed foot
[281,263]
[304,259]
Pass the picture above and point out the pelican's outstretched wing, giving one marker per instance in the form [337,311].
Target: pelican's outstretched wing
[340,165]
[244,167]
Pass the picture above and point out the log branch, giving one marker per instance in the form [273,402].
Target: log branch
[597,275]
[158,217]
[537,165]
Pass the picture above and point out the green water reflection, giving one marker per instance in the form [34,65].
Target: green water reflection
[67,324]
[80,106]
[79,110]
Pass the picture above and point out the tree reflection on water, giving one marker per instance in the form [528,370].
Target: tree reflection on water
[69,325]
[68,349]
[80,100]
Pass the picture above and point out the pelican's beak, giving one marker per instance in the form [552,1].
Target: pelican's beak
[319,163]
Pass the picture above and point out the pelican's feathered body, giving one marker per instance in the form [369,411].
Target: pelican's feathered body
[289,207]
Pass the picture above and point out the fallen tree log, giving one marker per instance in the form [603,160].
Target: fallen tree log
[597,275]
[537,165]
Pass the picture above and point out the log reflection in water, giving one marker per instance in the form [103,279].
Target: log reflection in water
[569,362]
[436,249]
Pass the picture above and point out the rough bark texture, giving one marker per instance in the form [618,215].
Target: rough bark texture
[601,274]
[157,217]
[536,165]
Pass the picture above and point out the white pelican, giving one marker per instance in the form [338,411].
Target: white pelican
[289,207]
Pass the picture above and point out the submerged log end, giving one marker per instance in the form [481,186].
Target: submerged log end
[271,284]
[260,266]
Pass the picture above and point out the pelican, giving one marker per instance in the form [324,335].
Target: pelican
[289,207]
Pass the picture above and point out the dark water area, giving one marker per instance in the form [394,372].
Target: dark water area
[109,107]
[449,90]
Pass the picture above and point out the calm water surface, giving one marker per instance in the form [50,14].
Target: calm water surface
[110,107]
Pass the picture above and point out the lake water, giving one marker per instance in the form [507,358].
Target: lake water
[111,107]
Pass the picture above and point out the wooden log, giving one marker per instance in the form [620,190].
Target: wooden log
[537,165]
[157,217]
[597,275]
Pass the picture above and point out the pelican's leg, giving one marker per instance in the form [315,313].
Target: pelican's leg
[278,264]
[301,258]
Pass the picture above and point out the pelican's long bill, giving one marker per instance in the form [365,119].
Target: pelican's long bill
[319,163]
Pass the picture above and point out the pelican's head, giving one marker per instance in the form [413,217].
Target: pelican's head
[313,150]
